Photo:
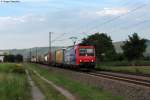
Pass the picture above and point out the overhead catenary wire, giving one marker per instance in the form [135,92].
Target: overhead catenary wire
[133,25]
[128,2]
[116,18]
[123,5]
[106,22]
[58,37]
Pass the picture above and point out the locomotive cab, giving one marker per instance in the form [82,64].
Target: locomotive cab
[86,56]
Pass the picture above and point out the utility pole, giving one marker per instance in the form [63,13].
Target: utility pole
[74,39]
[30,55]
[50,33]
[36,54]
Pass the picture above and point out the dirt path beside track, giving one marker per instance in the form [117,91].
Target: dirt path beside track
[63,91]
[35,91]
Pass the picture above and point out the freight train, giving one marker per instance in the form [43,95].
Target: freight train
[72,57]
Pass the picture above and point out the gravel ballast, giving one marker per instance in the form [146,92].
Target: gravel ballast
[127,90]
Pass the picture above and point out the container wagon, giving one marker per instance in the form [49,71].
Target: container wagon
[59,57]
[74,56]
[52,59]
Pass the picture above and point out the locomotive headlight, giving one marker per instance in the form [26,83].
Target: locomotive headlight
[80,60]
[92,60]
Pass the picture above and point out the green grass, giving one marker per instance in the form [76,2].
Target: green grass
[49,92]
[124,63]
[13,85]
[11,67]
[136,67]
[80,90]
[127,69]
[7,67]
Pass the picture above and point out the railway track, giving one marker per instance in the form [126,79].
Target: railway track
[137,80]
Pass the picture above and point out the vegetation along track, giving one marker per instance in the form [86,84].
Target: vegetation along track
[138,80]
[135,79]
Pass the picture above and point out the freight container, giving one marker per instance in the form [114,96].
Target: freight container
[67,56]
[60,56]
[70,56]
[52,55]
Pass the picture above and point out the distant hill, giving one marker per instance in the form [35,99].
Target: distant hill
[118,45]
[26,52]
[44,50]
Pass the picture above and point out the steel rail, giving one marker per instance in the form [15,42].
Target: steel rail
[136,81]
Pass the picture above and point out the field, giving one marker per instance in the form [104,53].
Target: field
[13,83]
[80,90]
[126,69]
[49,92]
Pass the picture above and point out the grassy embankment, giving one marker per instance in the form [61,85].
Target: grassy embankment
[141,67]
[80,90]
[13,83]
[49,92]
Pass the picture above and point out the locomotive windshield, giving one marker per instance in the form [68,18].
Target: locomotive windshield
[86,52]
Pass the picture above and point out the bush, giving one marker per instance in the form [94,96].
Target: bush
[137,71]
[13,58]
[19,69]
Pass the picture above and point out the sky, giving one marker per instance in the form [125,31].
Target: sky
[27,24]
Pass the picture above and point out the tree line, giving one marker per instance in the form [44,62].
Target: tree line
[133,48]
[13,58]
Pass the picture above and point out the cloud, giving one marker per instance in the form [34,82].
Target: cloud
[11,22]
[9,19]
[23,18]
[112,11]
